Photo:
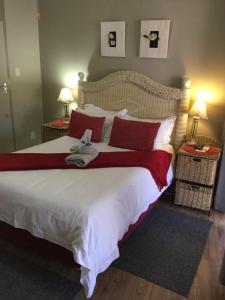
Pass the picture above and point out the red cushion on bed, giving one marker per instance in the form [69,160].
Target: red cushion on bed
[80,122]
[133,135]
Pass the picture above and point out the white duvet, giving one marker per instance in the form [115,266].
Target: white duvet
[85,211]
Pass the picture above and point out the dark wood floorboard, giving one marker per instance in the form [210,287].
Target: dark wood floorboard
[115,284]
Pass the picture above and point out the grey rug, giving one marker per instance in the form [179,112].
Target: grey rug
[21,279]
[222,272]
[166,249]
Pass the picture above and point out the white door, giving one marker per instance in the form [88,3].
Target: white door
[6,128]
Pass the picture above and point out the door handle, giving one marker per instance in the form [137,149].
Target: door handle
[4,88]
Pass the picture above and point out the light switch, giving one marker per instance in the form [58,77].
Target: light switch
[17,72]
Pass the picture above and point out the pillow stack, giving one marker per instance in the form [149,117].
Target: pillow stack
[165,130]
[80,122]
[121,130]
[95,115]
[133,135]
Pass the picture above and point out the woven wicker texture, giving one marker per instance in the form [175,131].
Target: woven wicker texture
[143,97]
[196,169]
[207,141]
[193,196]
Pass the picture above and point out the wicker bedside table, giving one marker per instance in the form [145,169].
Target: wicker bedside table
[51,132]
[195,177]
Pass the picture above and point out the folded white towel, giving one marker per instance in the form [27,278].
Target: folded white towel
[84,141]
[83,152]
[83,157]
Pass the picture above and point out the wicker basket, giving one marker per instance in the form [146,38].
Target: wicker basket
[193,196]
[196,169]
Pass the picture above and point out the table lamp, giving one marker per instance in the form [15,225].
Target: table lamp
[66,97]
[198,111]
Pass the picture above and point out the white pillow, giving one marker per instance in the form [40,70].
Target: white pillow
[109,115]
[165,130]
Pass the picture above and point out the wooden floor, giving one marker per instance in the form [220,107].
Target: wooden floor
[114,284]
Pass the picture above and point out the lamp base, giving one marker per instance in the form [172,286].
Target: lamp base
[191,142]
[66,120]
[66,110]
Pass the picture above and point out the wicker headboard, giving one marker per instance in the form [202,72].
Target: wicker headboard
[143,97]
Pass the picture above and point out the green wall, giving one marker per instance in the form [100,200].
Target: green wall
[22,39]
[70,42]
[1,10]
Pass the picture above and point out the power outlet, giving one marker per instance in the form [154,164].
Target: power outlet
[33,135]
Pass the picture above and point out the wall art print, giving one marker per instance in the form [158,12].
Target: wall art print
[113,38]
[154,38]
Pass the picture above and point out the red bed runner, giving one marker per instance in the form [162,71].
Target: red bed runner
[157,162]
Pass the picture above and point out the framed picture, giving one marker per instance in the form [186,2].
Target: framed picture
[113,39]
[154,38]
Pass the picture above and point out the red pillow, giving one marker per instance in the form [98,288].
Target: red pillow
[79,122]
[133,135]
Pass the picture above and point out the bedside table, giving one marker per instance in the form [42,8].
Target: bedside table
[51,132]
[195,178]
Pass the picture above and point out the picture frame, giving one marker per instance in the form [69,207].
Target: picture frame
[113,38]
[154,38]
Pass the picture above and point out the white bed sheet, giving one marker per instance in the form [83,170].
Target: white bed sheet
[85,211]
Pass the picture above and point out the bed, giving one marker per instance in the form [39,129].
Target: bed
[89,211]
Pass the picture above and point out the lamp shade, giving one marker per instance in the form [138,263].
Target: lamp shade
[66,96]
[198,110]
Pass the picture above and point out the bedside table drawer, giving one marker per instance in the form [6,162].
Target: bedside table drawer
[192,195]
[196,169]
